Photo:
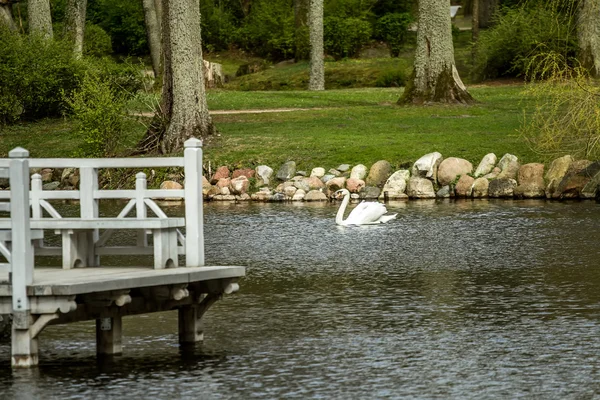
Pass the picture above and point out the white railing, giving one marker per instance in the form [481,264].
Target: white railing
[140,199]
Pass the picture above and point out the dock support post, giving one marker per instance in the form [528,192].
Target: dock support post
[24,347]
[190,319]
[194,214]
[108,336]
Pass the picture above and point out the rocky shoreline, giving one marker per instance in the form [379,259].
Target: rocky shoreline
[431,176]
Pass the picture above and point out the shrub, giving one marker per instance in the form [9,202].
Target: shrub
[33,72]
[343,37]
[395,78]
[519,35]
[125,77]
[393,29]
[97,111]
[97,42]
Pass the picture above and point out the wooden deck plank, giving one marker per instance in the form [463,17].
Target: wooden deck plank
[60,282]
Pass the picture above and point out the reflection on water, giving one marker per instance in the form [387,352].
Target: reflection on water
[465,299]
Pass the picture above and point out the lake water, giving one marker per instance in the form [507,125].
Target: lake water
[462,299]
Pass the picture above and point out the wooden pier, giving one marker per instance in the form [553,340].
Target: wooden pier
[82,288]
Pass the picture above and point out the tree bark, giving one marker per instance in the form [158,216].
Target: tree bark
[317,66]
[6,15]
[301,8]
[75,24]
[435,78]
[40,21]
[183,111]
[486,12]
[153,33]
[588,33]
[474,28]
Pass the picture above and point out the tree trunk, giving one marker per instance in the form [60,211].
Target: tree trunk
[75,24]
[435,78]
[183,112]
[474,28]
[6,15]
[487,10]
[153,33]
[588,33]
[301,33]
[40,21]
[317,67]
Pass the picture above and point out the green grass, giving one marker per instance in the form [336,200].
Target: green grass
[345,126]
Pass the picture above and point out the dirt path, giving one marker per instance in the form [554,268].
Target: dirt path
[223,112]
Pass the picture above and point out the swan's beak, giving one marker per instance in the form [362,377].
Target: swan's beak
[337,195]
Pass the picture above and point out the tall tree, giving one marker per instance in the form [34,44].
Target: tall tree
[153,32]
[183,111]
[75,24]
[435,78]
[6,15]
[588,33]
[317,66]
[487,9]
[301,8]
[40,21]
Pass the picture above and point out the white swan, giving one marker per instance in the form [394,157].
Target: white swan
[363,214]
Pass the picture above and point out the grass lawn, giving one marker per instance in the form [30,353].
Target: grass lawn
[344,126]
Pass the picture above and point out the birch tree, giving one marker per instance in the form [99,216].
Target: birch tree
[40,21]
[588,33]
[183,111]
[75,24]
[317,67]
[6,15]
[151,17]
[435,78]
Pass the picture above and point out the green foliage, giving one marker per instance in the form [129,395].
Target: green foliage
[343,37]
[566,118]
[33,72]
[97,111]
[97,42]
[393,78]
[124,22]
[269,30]
[393,29]
[219,25]
[125,77]
[520,34]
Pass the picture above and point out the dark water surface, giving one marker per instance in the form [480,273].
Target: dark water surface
[460,300]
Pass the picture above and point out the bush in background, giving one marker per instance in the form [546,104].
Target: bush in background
[343,37]
[97,42]
[392,29]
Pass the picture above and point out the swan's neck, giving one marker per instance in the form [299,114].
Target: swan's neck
[339,218]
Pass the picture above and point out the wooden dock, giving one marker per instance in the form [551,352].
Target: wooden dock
[82,288]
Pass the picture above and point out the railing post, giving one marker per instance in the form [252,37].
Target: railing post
[36,195]
[194,213]
[88,185]
[140,207]
[24,348]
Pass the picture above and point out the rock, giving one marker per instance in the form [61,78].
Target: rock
[171,185]
[73,179]
[592,188]
[480,187]
[64,176]
[334,172]
[243,197]
[302,184]
[223,182]
[287,171]
[494,174]
[263,175]
[327,178]
[395,186]
[427,166]
[205,185]
[369,193]
[358,172]
[51,186]
[451,168]
[224,197]
[445,192]
[290,191]
[239,185]
[222,172]
[299,195]
[213,191]
[315,195]
[557,171]
[225,192]
[335,184]
[379,173]
[278,197]
[486,165]
[530,180]
[47,175]
[343,167]
[502,187]
[313,183]
[506,160]
[262,195]
[317,172]
[576,178]
[464,186]
[509,166]
[354,185]
[420,188]
[247,172]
